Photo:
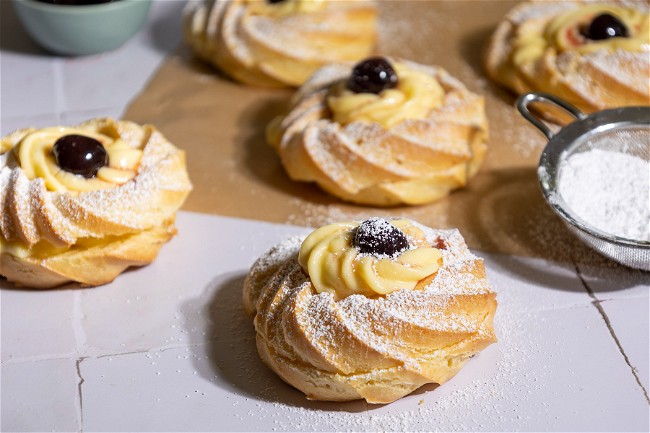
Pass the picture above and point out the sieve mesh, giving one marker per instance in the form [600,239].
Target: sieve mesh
[630,139]
[629,255]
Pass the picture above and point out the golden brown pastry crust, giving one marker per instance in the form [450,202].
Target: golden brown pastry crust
[378,349]
[48,238]
[278,51]
[591,80]
[413,162]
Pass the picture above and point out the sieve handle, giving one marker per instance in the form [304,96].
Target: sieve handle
[526,99]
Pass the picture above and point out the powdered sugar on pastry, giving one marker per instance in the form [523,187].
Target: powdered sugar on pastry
[546,46]
[42,229]
[416,160]
[376,348]
[279,44]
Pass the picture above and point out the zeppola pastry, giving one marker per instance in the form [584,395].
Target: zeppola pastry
[593,54]
[82,204]
[383,132]
[370,310]
[277,43]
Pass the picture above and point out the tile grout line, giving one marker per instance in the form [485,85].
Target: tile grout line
[81,405]
[102,355]
[597,303]
[80,342]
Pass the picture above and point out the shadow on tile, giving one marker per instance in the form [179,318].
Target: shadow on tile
[605,280]
[234,364]
[7,285]
[230,347]
[513,220]
[472,48]
[260,162]
[13,36]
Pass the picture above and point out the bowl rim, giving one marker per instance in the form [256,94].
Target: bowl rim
[567,139]
[81,9]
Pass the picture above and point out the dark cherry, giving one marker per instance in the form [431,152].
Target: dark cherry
[378,237]
[79,154]
[76,2]
[372,76]
[605,26]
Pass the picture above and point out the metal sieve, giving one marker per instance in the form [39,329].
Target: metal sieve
[625,130]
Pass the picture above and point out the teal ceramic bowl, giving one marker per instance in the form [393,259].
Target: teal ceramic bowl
[81,30]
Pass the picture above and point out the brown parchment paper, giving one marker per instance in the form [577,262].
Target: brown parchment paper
[235,173]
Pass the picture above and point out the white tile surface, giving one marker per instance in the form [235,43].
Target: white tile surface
[221,386]
[35,121]
[630,322]
[29,77]
[36,325]
[113,79]
[551,370]
[168,347]
[36,84]
[40,396]
[29,85]
[165,303]
[526,284]
[76,117]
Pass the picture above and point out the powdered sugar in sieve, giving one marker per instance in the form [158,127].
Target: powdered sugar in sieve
[605,182]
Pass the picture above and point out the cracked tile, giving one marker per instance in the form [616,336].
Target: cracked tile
[629,321]
[40,396]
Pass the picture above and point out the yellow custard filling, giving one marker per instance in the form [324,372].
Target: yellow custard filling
[334,265]
[34,154]
[284,8]
[415,95]
[563,33]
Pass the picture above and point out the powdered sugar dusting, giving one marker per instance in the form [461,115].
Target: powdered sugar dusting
[399,340]
[488,397]
[62,217]
[375,165]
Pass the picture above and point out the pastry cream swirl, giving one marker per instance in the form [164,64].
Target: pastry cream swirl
[563,33]
[416,94]
[34,153]
[283,8]
[334,265]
